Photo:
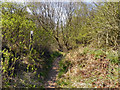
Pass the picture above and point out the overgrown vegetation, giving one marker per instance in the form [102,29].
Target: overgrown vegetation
[95,64]
[90,68]
[23,67]
[87,35]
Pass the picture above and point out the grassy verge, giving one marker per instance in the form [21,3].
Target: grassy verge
[89,68]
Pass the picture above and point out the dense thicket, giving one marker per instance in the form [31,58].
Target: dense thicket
[17,56]
[96,23]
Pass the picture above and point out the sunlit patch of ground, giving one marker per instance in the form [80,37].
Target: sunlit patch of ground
[88,69]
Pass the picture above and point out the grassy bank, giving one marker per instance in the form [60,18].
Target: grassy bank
[89,68]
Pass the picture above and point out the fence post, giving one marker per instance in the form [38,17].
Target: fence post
[31,41]
[0,58]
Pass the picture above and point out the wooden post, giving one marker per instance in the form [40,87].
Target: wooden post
[0,58]
[107,39]
[119,47]
[31,40]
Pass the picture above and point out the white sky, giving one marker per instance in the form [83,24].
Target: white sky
[60,0]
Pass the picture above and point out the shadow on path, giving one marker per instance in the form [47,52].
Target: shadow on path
[50,82]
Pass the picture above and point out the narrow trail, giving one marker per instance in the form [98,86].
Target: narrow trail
[50,82]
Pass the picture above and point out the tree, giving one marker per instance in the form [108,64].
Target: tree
[106,23]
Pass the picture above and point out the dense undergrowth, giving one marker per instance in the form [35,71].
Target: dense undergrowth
[26,59]
[89,68]
[26,71]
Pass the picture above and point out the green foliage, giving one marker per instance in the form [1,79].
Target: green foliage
[98,53]
[64,66]
[86,25]
[110,54]
[86,50]
[98,25]
[56,54]
[16,27]
[63,82]
[113,56]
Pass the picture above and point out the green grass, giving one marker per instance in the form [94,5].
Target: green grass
[113,57]
[63,67]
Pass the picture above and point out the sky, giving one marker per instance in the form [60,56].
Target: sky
[60,0]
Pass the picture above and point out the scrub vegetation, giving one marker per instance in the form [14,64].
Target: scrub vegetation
[84,37]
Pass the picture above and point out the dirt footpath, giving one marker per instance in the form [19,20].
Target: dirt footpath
[50,82]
